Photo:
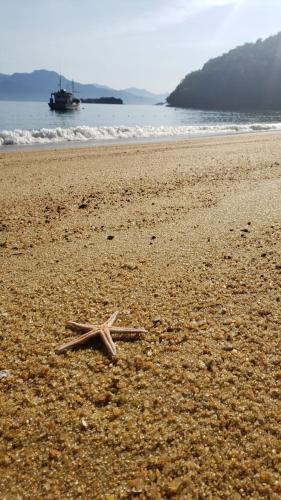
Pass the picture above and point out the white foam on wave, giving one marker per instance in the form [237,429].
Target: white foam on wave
[100,134]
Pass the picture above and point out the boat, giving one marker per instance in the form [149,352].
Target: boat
[63,100]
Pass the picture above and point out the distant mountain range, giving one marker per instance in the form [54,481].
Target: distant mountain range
[246,78]
[38,85]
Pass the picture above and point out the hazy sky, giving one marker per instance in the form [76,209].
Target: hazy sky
[148,44]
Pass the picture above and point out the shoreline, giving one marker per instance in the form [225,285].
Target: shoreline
[115,142]
[182,238]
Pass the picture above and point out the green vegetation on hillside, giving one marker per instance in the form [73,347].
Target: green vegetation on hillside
[246,78]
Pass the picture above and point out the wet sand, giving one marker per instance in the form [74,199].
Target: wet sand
[184,239]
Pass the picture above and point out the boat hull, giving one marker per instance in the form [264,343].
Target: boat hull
[63,107]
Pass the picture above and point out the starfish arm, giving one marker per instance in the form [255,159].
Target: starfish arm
[120,329]
[81,327]
[88,331]
[107,339]
[78,341]
[112,318]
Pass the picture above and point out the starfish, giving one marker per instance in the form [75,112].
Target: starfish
[89,331]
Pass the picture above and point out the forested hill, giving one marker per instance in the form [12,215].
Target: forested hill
[246,78]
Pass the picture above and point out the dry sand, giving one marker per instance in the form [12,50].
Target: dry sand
[193,409]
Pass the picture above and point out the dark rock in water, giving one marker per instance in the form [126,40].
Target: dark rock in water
[110,237]
[103,100]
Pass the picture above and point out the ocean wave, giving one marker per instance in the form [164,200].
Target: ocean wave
[101,134]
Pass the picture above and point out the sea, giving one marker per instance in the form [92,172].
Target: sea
[33,124]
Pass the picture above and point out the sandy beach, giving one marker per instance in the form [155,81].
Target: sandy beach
[182,238]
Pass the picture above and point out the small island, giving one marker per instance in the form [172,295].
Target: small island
[103,100]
